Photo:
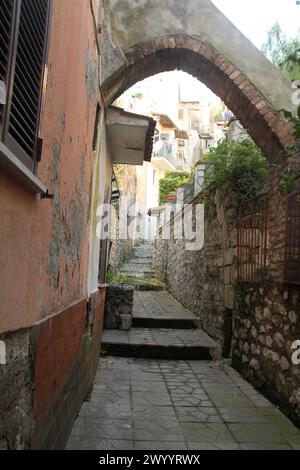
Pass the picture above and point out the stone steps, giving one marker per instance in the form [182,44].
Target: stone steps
[149,343]
[162,329]
[172,323]
[138,275]
[139,268]
[139,263]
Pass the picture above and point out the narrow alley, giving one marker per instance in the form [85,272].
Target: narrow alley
[166,391]
[160,404]
[149,226]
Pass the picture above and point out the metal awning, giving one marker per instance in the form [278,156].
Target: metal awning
[130,136]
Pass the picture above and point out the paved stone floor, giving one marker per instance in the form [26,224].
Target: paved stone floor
[175,405]
[160,305]
[159,336]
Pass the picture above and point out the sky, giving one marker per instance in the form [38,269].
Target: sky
[254,18]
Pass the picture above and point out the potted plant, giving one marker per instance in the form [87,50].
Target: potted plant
[171,198]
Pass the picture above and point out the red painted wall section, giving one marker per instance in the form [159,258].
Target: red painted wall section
[67,348]
[44,243]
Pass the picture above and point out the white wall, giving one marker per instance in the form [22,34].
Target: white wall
[101,182]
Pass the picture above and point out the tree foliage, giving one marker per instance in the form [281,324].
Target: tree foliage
[283,52]
[238,169]
[170,183]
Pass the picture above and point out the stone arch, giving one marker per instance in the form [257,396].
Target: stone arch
[264,122]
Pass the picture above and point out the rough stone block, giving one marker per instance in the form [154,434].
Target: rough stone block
[126,322]
[118,307]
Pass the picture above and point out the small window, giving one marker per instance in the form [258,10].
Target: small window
[166,137]
[24,26]
[156,136]
[180,114]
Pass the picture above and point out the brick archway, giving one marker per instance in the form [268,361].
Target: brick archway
[264,123]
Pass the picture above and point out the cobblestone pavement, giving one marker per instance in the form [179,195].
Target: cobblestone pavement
[175,405]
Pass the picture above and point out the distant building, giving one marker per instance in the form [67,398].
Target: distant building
[157,97]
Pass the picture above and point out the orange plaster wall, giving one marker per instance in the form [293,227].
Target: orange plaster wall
[44,243]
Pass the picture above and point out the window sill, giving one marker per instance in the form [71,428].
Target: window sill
[19,171]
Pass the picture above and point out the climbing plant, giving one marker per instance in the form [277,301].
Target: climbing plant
[288,176]
[238,169]
[170,183]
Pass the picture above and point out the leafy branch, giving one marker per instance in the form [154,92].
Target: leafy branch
[238,169]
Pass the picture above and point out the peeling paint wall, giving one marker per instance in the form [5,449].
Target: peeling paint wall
[51,310]
[45,243]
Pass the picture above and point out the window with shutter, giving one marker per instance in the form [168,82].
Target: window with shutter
[6,16]
[22,62]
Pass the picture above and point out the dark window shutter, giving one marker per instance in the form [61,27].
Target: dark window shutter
[28,77]
[6,17]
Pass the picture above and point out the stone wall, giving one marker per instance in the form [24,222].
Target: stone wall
[67,350]
[263,318]
[266,323]
[16,418]
[203,280]
[118,307]
[49,372]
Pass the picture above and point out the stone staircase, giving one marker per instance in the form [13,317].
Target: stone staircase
[139,263]
[162,329]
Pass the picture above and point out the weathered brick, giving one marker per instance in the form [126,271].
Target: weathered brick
[69,373]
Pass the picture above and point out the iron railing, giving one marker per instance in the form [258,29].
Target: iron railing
[189,191]
[292,240]
[252,228]
[167,153]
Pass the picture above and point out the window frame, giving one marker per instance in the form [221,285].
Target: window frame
[30,161]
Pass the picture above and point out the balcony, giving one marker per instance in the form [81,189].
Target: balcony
[163,156]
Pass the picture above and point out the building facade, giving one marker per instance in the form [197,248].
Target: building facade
[58,144]
[56,158]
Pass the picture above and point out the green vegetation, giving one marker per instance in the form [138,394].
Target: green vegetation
[238,169]
[295,120]
[283,52]
[103,352]
[170,183]
[114,276]
[138,95]
[288,177]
